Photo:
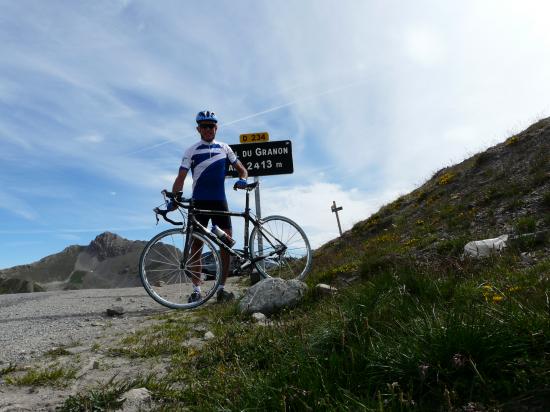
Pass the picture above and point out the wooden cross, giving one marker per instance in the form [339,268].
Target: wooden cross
[335,210]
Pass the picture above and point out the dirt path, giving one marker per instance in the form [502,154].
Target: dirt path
[32,325]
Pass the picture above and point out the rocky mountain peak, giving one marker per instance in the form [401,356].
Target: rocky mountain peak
[108,245]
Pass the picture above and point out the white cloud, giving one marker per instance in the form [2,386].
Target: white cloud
[310,207]
[423,46]
[17,206]
[91,138]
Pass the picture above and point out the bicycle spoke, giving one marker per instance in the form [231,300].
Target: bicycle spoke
[157,251]
[170,250]
[285,250]
[164,263]
[168,278]
[159,270]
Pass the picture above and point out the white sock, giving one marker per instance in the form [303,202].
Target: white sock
[196,288]
[220,288]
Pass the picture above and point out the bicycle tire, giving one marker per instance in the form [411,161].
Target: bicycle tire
[167,280]
[292,263]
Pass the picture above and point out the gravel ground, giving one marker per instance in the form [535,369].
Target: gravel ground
[33,323]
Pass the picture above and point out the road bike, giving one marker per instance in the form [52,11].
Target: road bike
[176,259]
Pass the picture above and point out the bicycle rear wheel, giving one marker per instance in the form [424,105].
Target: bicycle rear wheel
[284,246]
[168,277]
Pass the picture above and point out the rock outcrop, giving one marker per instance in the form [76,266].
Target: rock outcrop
[108,245]
[108,261]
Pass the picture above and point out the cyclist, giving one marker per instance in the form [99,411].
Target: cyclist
[207,161]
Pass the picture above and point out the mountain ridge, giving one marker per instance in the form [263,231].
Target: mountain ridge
[109,260]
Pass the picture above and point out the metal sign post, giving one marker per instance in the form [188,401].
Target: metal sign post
[262,157]
[335,210]
[258,215]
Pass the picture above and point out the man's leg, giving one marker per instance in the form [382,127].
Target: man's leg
[195,262]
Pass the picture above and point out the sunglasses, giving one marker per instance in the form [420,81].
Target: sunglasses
[207,126]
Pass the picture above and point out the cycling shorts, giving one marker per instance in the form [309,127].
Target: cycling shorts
[223,222]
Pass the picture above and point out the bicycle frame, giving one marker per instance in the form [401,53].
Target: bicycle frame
[193,223]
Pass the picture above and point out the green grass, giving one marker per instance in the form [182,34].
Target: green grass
[526,224]
[106,397]
[49,376]
[167,338]
[8,369]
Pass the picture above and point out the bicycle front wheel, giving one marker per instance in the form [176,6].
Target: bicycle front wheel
[168,277]
[284,247]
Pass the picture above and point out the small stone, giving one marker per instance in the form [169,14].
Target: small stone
[119,299]
[136,399]
[97,324]
[115,311]
[208,336]
[258,317]
[200,328]
[323,289]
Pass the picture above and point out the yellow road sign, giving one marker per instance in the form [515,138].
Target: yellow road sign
[254,137]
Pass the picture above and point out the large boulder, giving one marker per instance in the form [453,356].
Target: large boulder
[271,295]
[486,247]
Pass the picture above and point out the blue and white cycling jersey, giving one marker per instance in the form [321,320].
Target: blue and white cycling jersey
[207,163]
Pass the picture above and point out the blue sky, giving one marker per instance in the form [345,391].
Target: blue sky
[98,98]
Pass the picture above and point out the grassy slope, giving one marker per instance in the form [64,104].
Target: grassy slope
[419,328]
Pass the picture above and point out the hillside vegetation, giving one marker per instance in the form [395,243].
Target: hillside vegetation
[415,326]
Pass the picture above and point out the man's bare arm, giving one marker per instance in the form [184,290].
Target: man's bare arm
[241,170]
[178,183]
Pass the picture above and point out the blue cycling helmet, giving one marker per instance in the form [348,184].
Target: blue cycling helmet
[206,116]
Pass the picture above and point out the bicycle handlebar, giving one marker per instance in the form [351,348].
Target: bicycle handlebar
[175,196]
[186,203]
[163,213]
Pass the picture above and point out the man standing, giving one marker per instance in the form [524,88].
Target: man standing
[207,160]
